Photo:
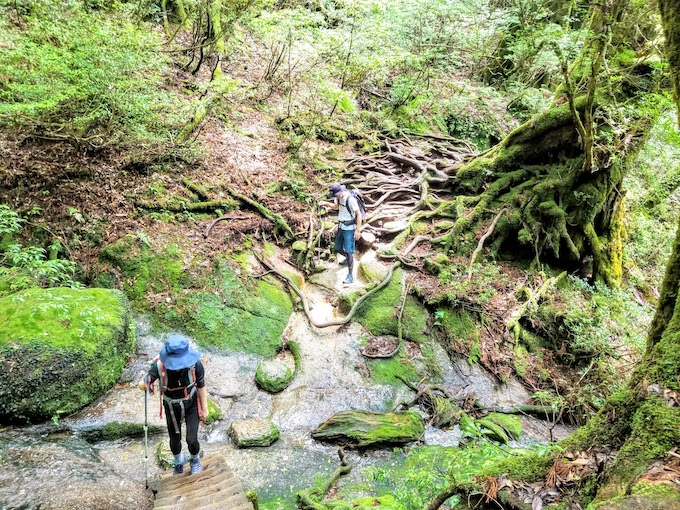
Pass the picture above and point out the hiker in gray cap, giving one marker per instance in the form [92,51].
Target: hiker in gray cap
[181,378]
[349,223]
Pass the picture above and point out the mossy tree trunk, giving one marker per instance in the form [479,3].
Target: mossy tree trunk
[556,207]
[642,420]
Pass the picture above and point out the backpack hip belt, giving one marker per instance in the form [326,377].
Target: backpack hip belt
[181,402]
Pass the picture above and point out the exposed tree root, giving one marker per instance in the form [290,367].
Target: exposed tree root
[278,220]
[311,499]
[480,245]
[513,324]
[305,303]
[552,207]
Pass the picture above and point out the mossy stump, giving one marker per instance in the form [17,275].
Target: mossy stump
[61,349]
[365,428]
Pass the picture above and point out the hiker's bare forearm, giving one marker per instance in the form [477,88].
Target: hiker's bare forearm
[357,232]
[203,397]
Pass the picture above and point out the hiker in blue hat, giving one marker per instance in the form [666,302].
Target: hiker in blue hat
[181,378]
[349,223]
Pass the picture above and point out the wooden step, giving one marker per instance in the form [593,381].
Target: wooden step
[181,480]
[225,485]
[215,488]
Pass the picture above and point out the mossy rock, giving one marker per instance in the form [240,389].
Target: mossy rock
[146,270]
[62,348]
[276,374]
[435,265]
[640,502]
[216,307]
[348,296]
[372,269]
[249,433]
[117,430]
[365,428]
[377,313]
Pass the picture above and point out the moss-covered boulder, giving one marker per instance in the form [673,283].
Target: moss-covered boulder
[276,374]
[60,349]
[247,433]
[217,305]
[117,430]
[377,313]
[372,269]
[365,428]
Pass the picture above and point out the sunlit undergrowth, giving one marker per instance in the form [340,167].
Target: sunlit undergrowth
[416,474]
[386,65]
[80,75]
[653,206]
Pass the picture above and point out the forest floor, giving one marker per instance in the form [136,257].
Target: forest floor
[90,198]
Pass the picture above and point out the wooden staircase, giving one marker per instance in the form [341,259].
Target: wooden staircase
[215,488]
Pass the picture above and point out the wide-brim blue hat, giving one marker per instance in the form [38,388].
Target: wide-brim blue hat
[176,353]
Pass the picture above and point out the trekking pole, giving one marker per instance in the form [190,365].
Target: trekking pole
[146,440]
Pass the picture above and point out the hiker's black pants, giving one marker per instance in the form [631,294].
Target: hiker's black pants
[190,418]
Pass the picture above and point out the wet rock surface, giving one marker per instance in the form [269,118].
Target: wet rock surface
[332,377]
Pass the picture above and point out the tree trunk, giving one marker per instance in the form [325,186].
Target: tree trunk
[556,209]
[643,418]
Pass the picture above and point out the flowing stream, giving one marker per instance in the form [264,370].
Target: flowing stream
[50,467]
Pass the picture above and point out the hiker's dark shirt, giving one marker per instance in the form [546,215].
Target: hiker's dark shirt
[179,379]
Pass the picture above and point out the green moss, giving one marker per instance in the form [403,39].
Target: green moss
[458,327]
[214,413]
[144,270]
[217,308]
[520,360]
[386,502]
[491,430]
[527,466]
[662,491]
[254,433]
[600,429]
[377,313]
[385,370]
[416,473]
[64,348]
[661,366]
[654,431]
[508,422]
[436,264]
[272,383]
[365,428]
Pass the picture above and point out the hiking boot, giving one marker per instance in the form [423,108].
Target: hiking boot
[343,262]
[195,464]
[348,279]
[179,467]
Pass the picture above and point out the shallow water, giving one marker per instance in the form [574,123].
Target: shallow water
[46,469]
